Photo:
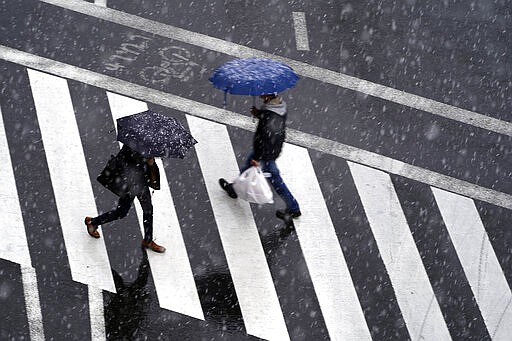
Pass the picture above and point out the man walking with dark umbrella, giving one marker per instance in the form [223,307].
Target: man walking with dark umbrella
[130,178]
[267,144]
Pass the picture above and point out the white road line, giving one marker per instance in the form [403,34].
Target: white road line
[479,261]
[313,72]
[301,31]
[172,274]
[87,256]
[397,248]
[240,239]
[326,263]
[242,121]
[102,3]
[96,314]
[14,246]
[32,303]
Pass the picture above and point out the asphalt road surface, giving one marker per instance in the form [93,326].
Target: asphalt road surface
[398,144]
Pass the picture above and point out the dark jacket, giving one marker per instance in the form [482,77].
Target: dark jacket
[270,134]
[129,173]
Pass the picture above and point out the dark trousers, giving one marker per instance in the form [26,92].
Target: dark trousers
[123,206]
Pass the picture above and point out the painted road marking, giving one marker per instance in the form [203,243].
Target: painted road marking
[480,264]
[88,258]
[14,246]
[102,3]
[96,313]
[239,235]
[326,263]
[304,69]
[172,274]
[32,303]
[413,291]
[301,31]
[227,117]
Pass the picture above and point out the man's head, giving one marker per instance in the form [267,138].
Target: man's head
[268,97]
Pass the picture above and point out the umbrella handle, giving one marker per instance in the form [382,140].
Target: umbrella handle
[225,98]
[253,104]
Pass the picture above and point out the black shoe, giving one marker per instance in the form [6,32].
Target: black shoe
[286,214]
[228,188]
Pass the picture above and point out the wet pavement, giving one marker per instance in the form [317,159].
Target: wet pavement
[455,53]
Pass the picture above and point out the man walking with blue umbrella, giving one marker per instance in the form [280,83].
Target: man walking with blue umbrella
[267,145]
[264,78]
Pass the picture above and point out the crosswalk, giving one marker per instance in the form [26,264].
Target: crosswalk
[393,296]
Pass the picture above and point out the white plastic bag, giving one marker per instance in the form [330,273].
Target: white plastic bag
[252,186]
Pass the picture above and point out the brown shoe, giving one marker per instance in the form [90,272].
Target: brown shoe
[153,246]
[91,229]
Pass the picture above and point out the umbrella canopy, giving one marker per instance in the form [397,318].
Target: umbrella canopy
[154,135]
[253,77]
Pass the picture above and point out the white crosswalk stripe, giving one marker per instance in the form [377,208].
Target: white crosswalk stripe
[398,250]
[259,304]
[479,261]
[14,246]
[326,263]
[73,193]
[244,252]
[171,271]
[70,179]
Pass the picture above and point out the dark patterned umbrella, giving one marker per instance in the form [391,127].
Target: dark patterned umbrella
[154,135]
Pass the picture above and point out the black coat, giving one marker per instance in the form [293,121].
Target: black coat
[270,134]
[129,173]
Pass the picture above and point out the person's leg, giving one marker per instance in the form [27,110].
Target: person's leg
[147,218]
[147,213]
[270,166]
[123,206]
[247,163]
[120,211]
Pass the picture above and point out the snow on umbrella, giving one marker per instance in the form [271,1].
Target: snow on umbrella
[154,135]
[253,77]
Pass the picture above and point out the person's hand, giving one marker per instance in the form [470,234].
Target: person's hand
[254,111]
[255,163]
[151,161]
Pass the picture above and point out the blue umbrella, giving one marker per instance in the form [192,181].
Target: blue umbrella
[253,77]
[154,135]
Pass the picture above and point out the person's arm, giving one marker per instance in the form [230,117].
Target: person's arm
[256,112]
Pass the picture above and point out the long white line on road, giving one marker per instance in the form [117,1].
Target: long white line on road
[96,313]
[326,263]
[301,31]
[227,117]
[88,259]
[102,3]
[32,303]
[304,69]
[239,235]
[481,265]
[14,246]
[172,274]
[71,184]
[397,248]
